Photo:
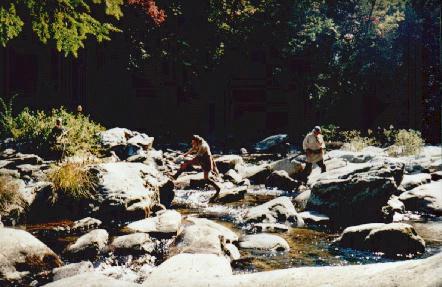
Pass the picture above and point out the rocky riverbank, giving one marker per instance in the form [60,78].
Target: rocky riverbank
[141,227]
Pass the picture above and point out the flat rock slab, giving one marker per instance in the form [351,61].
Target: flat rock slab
[264,241]
[425,198]
[90,279]
[411,181]
[183,267]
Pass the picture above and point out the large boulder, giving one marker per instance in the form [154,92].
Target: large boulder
[204,236]
[166,222]
[425,198]
[280,179]
[136,243]
[90,279]
[290,165]
[115,136]
[226,162]
[128,190]
[275,143]
[411,181]
[409,273]
[357,196]
[23,257]
[257,174]
[264,241]
[89,245]
[278,210]
[184,267]
[394,239]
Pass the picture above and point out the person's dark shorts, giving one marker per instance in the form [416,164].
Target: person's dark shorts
[204,161]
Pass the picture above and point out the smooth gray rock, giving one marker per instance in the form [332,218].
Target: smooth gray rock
[425,198]
[22,255]
[141,140]
[272,143]
[391,239]
[89,245]
[227,162]
[184,267]
[165,222]
[72,270]
[411,181]
[290,165]
[280,179]
[133,244]
[233,176]
[257,174]
[264,241]
[115,136]
[278,210]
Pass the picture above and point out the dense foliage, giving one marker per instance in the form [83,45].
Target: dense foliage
[34,129]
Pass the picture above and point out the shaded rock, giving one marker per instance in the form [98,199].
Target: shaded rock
[391,239]
[257,174]
[278,210]
[269,227]
[90,279]
[183,267]
[232,194]
[425,198]
[395,204]
[227,162]
[204,236]
[133,243]
[263,241]
[420,272]
[190,181]
[312,217]
[165,223]
[89,245]
[72,270]
[23,257]
[128,190]
[435,176]
[357,196]
[275,143]
[280,179]
[411,181]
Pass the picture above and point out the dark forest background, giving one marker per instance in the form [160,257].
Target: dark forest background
[233,71]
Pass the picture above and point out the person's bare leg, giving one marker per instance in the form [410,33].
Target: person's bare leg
[214,184]
[182,168]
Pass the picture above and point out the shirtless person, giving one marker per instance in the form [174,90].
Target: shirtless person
[203,158]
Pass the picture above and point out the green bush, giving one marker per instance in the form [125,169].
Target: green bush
[33,128]
[354,141]
[9,194]
[71,181]
[406,142]
[331,133]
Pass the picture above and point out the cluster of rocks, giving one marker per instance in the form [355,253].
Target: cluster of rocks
[362,192]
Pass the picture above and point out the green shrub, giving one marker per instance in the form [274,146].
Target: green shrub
[71,181]
[331,133]
[406,142]
[9,194]
[354,141]
[33,128]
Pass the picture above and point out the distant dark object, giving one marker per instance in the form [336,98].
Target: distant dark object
[273,144]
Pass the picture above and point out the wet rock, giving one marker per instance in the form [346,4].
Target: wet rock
[411,181]
[290,165]
[23,257]
[94,279]
[72,270]
[357,196]
[184,267]
[280,179]
[135,243]
[89,245]
[420,272]
[128,190]
[278,210]
[204,236]
[391,239]
[275,143]
[269,227]
[264,241]
[312,217]
[227,162]
[165,223]
[425,198]
[232,194]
